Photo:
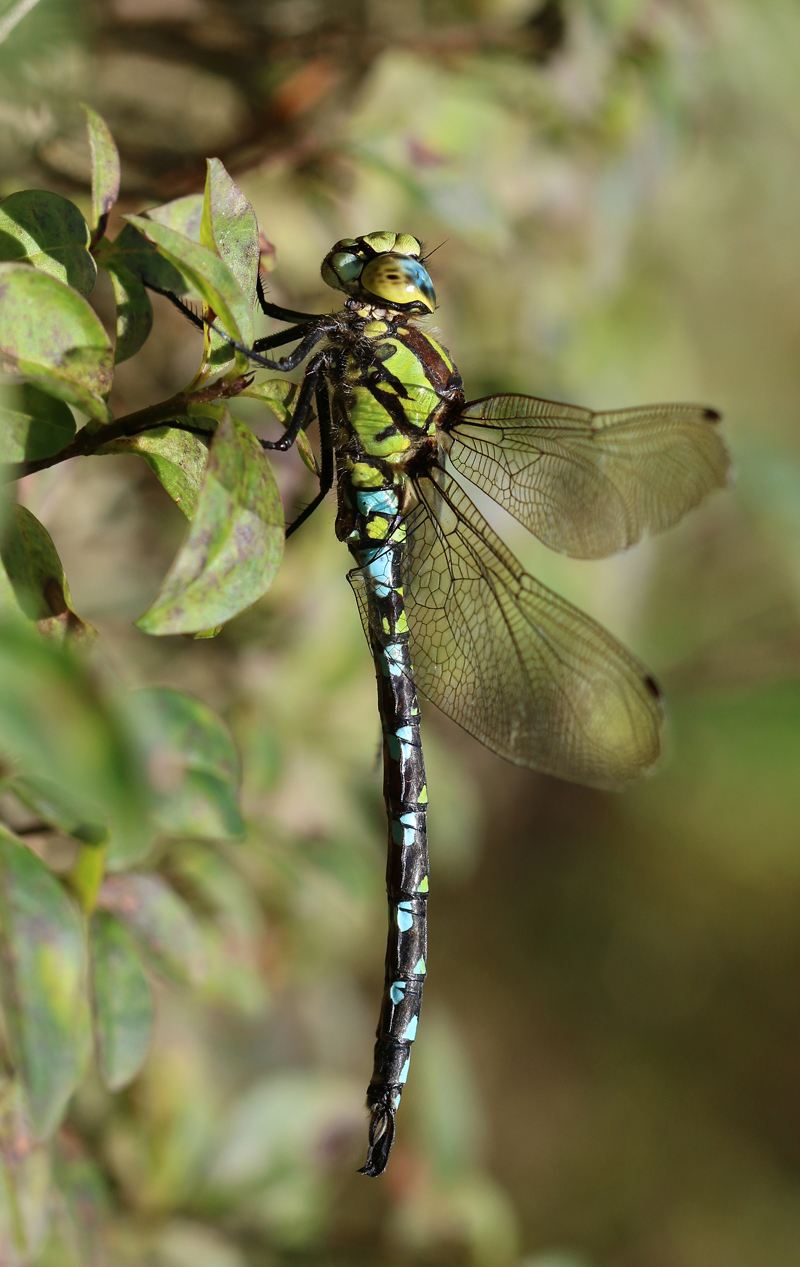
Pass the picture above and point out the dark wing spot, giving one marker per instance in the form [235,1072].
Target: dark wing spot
[653,687]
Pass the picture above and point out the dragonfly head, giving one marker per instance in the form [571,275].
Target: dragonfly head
[384,267]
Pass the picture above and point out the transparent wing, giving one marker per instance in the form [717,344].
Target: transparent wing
[588,484]
[515,665]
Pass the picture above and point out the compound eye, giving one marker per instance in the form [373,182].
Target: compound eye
[341,269]
[399,280]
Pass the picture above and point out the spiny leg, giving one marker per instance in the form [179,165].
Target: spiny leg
[275,310]
[180,304]
[302,408]
[283,363]
[326,448]
[309,338]
[278,340]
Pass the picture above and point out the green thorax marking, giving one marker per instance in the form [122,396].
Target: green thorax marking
[393,403]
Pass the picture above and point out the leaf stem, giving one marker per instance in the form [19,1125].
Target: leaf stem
[92,437]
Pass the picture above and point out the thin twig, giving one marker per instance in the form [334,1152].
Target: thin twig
[89,439]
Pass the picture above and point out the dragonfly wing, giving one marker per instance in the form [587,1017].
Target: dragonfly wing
[518,667]
[588,484]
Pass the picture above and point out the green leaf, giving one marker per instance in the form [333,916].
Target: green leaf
[43,229]
[55,806]
[134,310]
[33,425]
[131,250]
[229,227]
[25,1187]
[183,214]
[42,983]
[178,458]
[86,875]
[48,333]
[105,169]
[235,543]
[123,1002]
[161,920]
[306,452]
[278,1123]
[277,393]
[56,723]
[206,273]
[233,940]
[32,580]
[80,1192]
[192,764]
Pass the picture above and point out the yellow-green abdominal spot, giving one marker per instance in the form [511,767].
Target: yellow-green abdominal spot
[362,475]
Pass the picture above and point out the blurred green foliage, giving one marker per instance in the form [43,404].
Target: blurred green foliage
[612,1035]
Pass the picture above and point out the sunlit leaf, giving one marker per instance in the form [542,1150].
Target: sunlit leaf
[178,458]
[33,425]
[123,1002]
[306,452]
[205,272]
[43,229]
[229,227]
[235,542]
[134,310]
[105,168]
[42,983]
[161,920]
[277,393]
[192,764]
[49,334]
[57,724]
[32,579]
[182,214]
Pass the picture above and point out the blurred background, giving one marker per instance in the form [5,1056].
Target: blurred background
[608,1071]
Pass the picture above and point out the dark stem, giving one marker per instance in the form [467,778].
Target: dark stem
[89,439]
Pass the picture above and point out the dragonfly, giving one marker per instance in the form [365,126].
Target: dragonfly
[448,611]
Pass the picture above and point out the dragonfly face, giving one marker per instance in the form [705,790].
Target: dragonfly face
[384,267]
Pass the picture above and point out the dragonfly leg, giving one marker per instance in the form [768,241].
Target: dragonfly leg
[180,304]
[309,339]
[301,410]
[277,340]
[283,363]
[280,314]
[326,445]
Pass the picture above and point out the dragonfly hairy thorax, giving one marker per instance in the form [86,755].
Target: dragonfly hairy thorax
[447,609]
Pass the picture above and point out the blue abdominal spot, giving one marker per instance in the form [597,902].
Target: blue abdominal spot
[405,916]
[411,1030]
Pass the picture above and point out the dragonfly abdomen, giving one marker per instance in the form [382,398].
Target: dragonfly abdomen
[406,796]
